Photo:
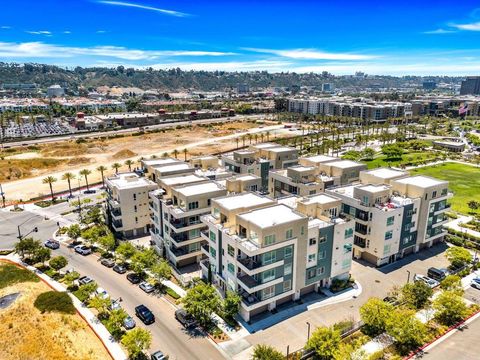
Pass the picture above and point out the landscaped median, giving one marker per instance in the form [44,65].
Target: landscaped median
[41,323]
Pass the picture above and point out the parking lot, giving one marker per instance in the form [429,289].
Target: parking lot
[375,282]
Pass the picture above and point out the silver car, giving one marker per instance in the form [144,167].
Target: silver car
[148,288]
[129,323]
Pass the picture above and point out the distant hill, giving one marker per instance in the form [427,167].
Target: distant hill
[176,79]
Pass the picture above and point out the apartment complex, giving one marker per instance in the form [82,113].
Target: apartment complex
[358,108]
[470,86]
[127,210]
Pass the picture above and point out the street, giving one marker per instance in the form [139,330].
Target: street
[167,333]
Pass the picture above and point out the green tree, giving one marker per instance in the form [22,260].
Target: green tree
[408,331]
[84,291]
[143,259]
[449,308]
[136,341]
[129,163]
[74,231]
[326,342]
[126,250]
[231,304]
[452,283]
[116,166]
[368,153]
[161,270]
[50,180]
[416,294]
[114,323]
[69,177]
[58,262]
[32,251]
[107,242]
[266,352]
[458,256]
[392,151]
[473,205]
[99,303]
[202,301]
[102,170]
[85,173]
[374,314]
[70,277]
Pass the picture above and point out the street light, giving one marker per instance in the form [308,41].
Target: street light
[2,194]
[408,279]
[308,333]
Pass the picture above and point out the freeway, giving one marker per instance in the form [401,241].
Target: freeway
[168,335]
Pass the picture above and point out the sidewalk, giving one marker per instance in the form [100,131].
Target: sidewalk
[102,333]
[461,219]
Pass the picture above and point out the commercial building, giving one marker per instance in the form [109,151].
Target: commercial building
[127,207]
[450,144]
[55,91]
[429,85]
[470,86]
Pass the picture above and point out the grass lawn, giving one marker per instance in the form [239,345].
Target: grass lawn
[11,274]
[381,160]
[464,182]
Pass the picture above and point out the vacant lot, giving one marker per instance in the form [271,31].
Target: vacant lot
[26,333]
[464,182]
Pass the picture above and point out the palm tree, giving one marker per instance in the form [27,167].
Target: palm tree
[116,166]
[102,169]
[69,177]
[175,153]
[129,163]
[165,155]
[185,152]
[244,137]
[237,140]
[268,135]
[50,180]
[85,172]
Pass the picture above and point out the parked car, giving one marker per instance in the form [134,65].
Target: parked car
[187,320]
[120,269]
[83,250]
[144,314]
[52,244]
[147,287]
[101,292]
[85,280]
[114,305]
[437,274]
[90,191]
[158,355]
[429,281]
[475,283]
[129,323]
[108,263]
[134,278]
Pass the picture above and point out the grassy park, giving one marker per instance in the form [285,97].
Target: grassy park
[464,182]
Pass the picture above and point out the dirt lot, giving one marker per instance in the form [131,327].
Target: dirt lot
[26,333]
[21,173]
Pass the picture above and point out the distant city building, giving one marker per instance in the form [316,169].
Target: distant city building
[429,85]
[448,105]
[55,91]
[243,88]
[18,86]
[470,86]
[327,87]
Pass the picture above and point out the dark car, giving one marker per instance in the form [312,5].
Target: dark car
[120,269]
[144,314]
[187,320]
[158,355]
[52,244]
[437,274]
[107,262]
[134,278]
[90,191]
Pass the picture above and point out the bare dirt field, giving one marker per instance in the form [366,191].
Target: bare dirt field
[21,175]
[26,333]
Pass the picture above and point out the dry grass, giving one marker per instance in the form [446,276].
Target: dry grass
[123,154]
[22,168]
[28,334]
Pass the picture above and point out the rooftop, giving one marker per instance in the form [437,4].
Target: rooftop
[243,200]
[160,162]
[344,164]
[265,145]
[197,189]
[374,188]
[178,180]
[320,199]
[129,180]
[386,173]
[244,177]
[320,158]
[271,216]
[421,181]
[280,149]
[174,167]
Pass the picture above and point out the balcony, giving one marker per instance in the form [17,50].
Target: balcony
[249,263]
[251,285]
[206,249]
[358,241]
[182,239]
[248,281]
[116,214]
[361,229]
[114,203]
[183,253]
[117,225]
[442,209]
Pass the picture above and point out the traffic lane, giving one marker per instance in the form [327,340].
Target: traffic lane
[167,333]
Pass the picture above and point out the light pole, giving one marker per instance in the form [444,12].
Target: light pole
[408,279]
[2,194]
[308,331]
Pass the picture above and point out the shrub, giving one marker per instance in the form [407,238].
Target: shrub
[172,293]
[54,301]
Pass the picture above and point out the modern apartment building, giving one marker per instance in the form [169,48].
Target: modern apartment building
[127,210]
[470,86]
[271,253]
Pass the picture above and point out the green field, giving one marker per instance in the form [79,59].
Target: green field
[464,182]
[408,158]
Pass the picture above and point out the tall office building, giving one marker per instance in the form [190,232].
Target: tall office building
[470,86]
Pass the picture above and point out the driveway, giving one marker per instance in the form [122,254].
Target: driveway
[168,335]
[375,282]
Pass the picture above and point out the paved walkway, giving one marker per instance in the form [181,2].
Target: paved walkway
[461,219]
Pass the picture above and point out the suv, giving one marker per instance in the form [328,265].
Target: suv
[52,244]
[121,269]
[134,278]
[185,318]
[83,250]
[85,280]
[429,281]
[108,263]
[437,274]
[144,314]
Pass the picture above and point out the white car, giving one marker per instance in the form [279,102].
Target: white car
[429,281]
[145,286]
[83,250]
[101,292]
[475,283]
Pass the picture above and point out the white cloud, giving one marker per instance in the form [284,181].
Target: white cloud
[67,32]
[468,27]
[439,31]
[312,54]
[144,7]
[41,32]
[43,50]
[258,65]
[101,31]
[5,27]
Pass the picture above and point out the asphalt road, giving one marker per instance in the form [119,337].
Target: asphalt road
[168,335]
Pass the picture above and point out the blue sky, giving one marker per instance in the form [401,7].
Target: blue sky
[422,37]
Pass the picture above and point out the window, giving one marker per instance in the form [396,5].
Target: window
[346,263]
[407,227]
[209,202]
[269,239]
[213,252]
[311,274]
[216,213]
[348,233]
[193,205]
[409,213]
[289,234]
[390,220]
[434,195]
[365,200]
[386,249]
[312,241]
[288,252]
[213,236]
[302,230]
[406,240]
[135,208]
[352,211]
[194,233]
[312,192]
[312,257]
[268,275]
[287,270]
[231,268]
[269,257]
[268,292]
[322,255]
[321,270]
[287,285]
[322,240]
[136,219]
[388,235]
[134,197]
[444,192]
[230,250]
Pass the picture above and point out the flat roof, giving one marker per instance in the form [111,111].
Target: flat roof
[174,167]
[160,162]
[373,188]
[243,200]
[302,168]
[343,164]
[386,173]
[201,188]
[265,145]
[280,149]
[129,180]
[245,177]
[178,180]
[271,216]
[320,199]
[421,181]
[320,158]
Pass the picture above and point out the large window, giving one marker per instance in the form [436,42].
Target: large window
[231,268]
[390,220]
[193,205]
[288,252]
[287,285]
[268,275]
[388,235]
[213,236]
[348,233]
[194,233]
[312,257]
[269,292]
[312,241]
[231,250]
[289,234]
[287,270]
[269,257]
[213,252]
[269,239]
[322,254]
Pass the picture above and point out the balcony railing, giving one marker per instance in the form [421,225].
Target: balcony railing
[250,263]
[249,281]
